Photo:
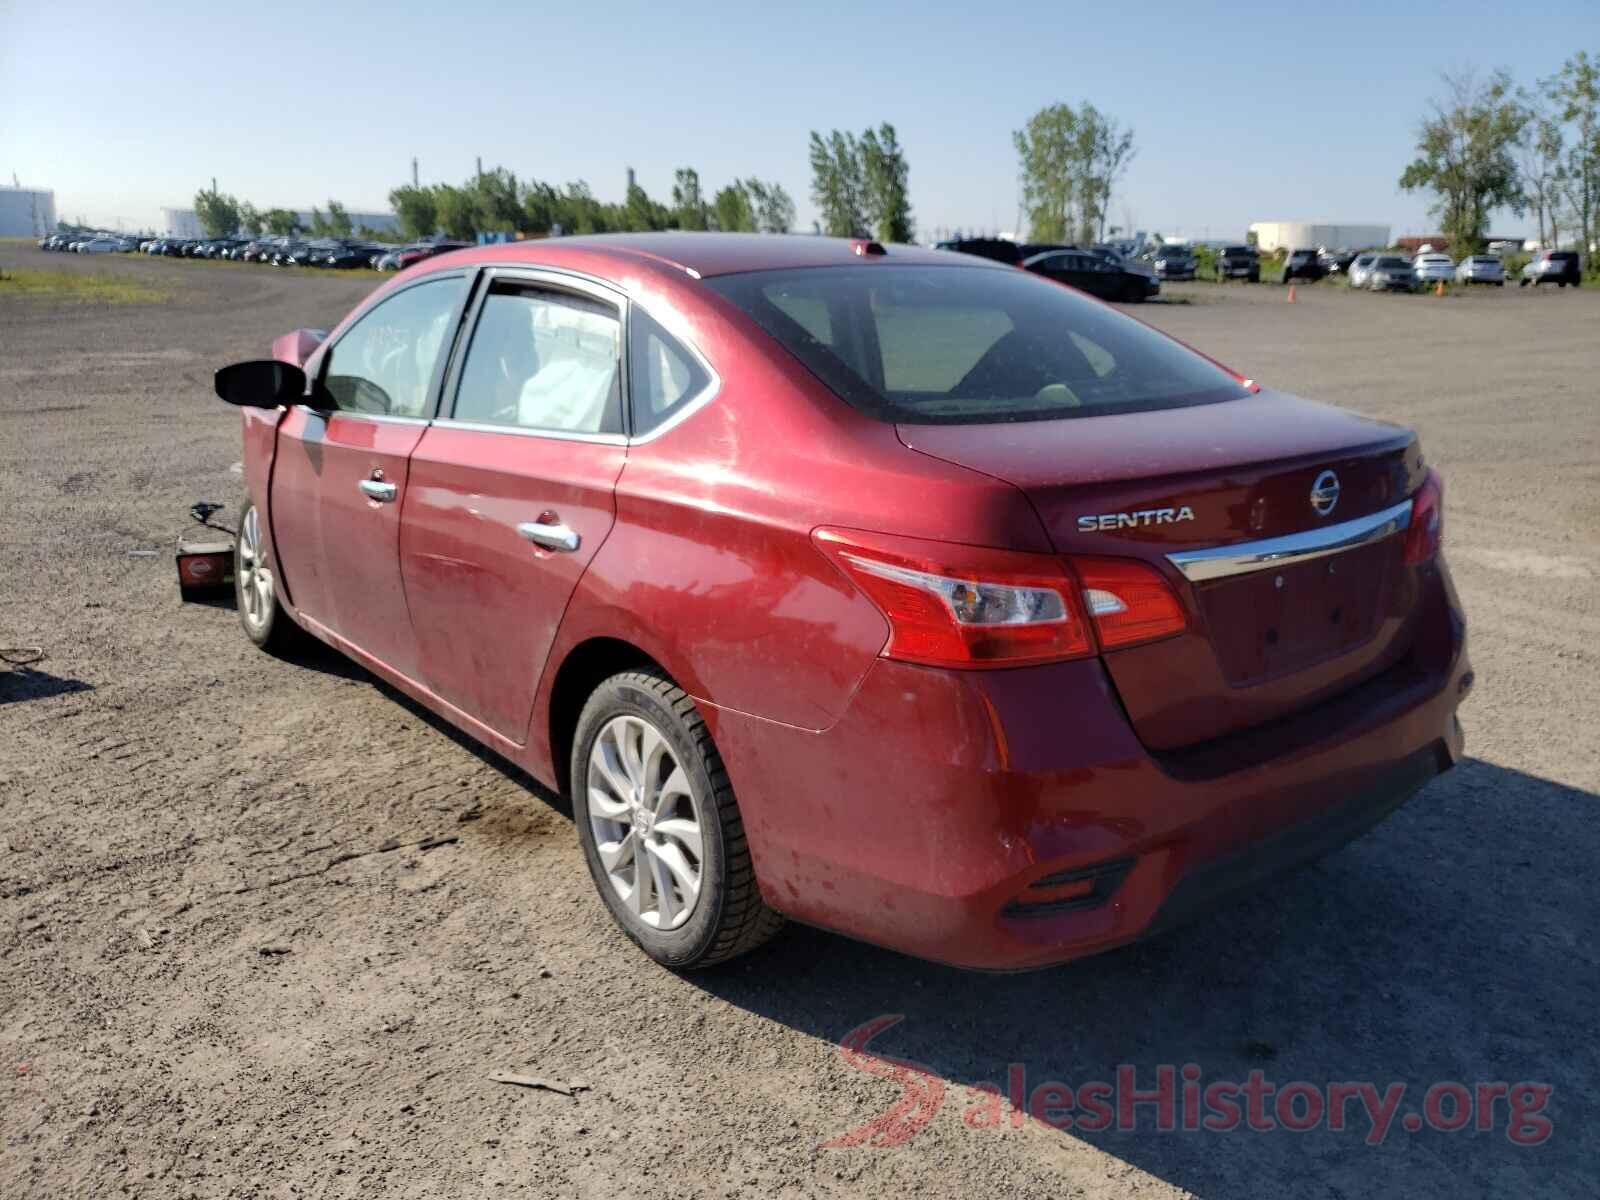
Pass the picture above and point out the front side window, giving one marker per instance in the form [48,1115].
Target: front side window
[543,360]
[971,345]
[384,363]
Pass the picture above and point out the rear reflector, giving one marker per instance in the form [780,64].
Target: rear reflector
[952,605]
[1426,527]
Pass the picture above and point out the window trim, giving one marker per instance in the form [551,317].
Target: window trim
[555,281]
[686,409]
[447,351]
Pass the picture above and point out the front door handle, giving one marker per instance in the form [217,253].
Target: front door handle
[551,537]
[377,489]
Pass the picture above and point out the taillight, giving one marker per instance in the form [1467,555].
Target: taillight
[1427,520]
[1128,601]
[952,605]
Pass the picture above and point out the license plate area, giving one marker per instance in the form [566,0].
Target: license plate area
[1280,620]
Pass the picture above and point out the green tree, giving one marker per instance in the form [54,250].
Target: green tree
[338,220]
[1575,92]
[641,213]
[1109,149]
[689,205]
[497,201]
[732,209]
[249,219]
[1049,150]
[218,214]
[416,209]
[1540,165]
[837,185]
[774,210]
[457,211]
[281,221]
[884,177]
[1465,156]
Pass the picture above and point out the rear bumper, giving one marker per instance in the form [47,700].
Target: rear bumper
[1007,820]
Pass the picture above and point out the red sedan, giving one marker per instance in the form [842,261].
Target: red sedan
[891,590]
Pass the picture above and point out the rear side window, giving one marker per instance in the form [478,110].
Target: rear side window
[971,345]
[664,377]
[543,360]
[384,363]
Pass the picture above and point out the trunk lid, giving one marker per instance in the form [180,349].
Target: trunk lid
[1262,644]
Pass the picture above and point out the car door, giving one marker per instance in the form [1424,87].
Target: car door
[511,492]
[339,477]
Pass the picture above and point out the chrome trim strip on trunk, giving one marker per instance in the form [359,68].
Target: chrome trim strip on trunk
[1219,562]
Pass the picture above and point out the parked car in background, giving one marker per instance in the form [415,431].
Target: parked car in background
[1000,250]
[1360,265]
[1391,273]
[1560,267]
[1433,268]
[100,245]
[1090,273]
[1482,268]
[1335,262]
[1174,262]
[1239,262]
[1304,265]
[977,651]
[289,254]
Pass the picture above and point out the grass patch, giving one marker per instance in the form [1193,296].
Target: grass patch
[79,287]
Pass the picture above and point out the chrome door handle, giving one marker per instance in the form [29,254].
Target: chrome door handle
[551,537]
[377,489]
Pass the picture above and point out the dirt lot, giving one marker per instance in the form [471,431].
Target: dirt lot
[215,980]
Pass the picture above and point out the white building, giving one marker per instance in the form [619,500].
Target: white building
[26,212]
[183,223]
[1316,235]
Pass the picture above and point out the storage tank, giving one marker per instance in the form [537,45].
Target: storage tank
[26,212]
[1317,235]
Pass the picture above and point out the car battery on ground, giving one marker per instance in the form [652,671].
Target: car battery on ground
[205,561]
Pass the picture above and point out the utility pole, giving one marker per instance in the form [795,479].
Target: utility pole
[414,171]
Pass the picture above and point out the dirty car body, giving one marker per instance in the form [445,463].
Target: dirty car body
[1021,630]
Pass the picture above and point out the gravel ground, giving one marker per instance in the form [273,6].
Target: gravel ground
[228,967]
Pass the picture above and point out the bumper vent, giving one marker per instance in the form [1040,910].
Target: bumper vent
[1070,891]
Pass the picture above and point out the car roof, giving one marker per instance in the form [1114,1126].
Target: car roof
[705,254]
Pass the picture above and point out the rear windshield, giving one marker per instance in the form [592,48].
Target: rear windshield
[1234,251]
[1396,263]
[970,345]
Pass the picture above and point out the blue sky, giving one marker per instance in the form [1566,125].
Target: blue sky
[1242,111]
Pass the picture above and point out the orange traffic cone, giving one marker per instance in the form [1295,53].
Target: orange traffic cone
[1291,293]
[1439,291]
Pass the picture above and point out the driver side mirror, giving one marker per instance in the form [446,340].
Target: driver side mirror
[261,383]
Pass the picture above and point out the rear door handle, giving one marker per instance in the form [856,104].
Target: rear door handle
[551,537]
[377,489]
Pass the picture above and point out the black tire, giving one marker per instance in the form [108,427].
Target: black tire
[265,623]
[728,917]
[1133,293]
[1255,276]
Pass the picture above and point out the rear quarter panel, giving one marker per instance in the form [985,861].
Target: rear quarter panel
[710,567]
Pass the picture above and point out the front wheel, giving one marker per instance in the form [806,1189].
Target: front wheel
[255,589]
[660,827]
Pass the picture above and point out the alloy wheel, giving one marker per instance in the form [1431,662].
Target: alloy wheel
[646,822]
[255,577]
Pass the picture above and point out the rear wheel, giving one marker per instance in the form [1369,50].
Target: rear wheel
[660,827]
